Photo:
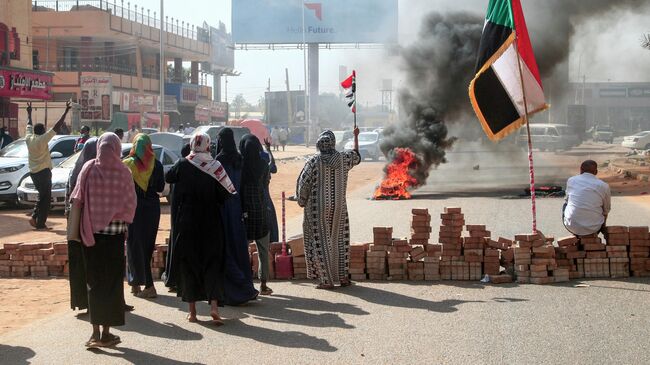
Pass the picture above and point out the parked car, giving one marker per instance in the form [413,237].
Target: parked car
[604,134]
[149,130]
[27,194]
[368,145]
[14,163]
[639,141]
[549,137]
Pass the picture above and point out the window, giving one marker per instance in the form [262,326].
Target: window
[158,153]
[14,45]
[552,132]
[70,59]
[35,59]
[4,47]
[66,147]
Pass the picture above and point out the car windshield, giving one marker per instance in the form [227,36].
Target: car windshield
[16,149]
[368,137]
[70,162]
[640,134]
[563,130]
[603,129]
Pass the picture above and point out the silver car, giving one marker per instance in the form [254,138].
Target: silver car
[28,195]
[368,145]
[14,167]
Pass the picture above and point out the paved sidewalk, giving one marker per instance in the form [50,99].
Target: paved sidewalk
[369,323]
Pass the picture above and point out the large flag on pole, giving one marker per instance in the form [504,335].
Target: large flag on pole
[350,87]
[499,88]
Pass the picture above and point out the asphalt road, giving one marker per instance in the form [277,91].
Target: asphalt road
[369,323]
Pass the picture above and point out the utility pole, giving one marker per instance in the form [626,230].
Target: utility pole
[163,65]
[289,105]
[47,67]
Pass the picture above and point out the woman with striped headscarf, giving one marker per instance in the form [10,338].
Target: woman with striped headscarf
[149,178]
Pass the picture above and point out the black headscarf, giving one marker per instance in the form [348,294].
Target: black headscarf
[254,168]
[227,150]
[89,152]
[186,150]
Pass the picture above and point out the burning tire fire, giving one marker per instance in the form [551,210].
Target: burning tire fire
[398,181]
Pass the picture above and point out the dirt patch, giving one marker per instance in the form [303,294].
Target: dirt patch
[624,186]
[25,300]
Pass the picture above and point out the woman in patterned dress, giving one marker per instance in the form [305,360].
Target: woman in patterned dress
[321,191]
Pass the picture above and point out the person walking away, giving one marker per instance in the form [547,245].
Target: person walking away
[171,265]
[284,138]
[321,191]
[76,265]
[40,164]
[239,287]
[149,177]
[275,137]
[254,176]
[106,193]
[5,139]
[201,186]
[130,135]
[81,141]
[270,207]
[588,202]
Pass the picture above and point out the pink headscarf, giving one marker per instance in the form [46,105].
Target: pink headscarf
[201,158]
[105,188]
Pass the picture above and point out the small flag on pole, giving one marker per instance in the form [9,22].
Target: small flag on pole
[350,87]
[500,86]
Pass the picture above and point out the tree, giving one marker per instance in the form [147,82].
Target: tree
[646,41]
[238,104]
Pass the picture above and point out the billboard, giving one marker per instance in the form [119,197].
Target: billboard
[96,94]
[25,84]
[326,21]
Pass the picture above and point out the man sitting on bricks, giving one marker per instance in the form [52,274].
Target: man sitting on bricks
[588,202]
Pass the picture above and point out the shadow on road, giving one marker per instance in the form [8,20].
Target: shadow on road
[147,327]
[289,309]
[284,339]
[383,297]
[16,354]
[140,357]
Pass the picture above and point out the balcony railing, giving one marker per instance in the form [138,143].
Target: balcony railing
[140,16]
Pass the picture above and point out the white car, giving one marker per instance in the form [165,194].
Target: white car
[28,195]
[368,145]
[14,167]
[639,141]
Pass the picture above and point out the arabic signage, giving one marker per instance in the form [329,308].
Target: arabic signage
[202,113]
[186,94]
[96,93]
[639,92]
[219,110]
[134,102]
[25,84]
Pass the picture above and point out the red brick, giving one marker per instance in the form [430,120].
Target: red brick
[453,210]
[567,241]
[420,211]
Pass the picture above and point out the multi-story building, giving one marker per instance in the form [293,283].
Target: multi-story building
[18,80]
[623,105]
[74,39]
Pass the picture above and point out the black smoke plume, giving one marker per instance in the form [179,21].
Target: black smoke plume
[438,68]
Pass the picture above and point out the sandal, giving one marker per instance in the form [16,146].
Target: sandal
[266,291]
[217,320]
[93,343]
[345,283]
[325,286]
[109,340]
[192,318]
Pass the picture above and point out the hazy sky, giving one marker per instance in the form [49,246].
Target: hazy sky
[609,47]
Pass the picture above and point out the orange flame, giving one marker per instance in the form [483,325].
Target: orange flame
[397,180]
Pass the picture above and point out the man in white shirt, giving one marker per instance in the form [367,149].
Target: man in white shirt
[588,202]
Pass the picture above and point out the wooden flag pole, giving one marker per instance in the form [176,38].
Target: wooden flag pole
[531,168]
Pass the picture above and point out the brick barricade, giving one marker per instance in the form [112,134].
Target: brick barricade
[462,252]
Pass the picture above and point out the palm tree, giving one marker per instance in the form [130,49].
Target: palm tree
[646,41]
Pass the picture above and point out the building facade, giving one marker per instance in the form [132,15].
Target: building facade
[76,40]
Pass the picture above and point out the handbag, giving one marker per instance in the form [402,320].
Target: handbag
[74,221]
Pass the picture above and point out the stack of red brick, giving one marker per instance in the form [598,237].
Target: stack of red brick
[37,260]
[452,264]
[639,251]
[535,261]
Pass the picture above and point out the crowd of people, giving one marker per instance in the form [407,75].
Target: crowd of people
[219,204]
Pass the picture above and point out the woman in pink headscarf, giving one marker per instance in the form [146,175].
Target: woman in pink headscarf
[201,185]
[106,192]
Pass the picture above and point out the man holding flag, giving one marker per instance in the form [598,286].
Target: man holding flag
[321,191]
[507,87]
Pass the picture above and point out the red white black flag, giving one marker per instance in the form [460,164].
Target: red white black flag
[350,86]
